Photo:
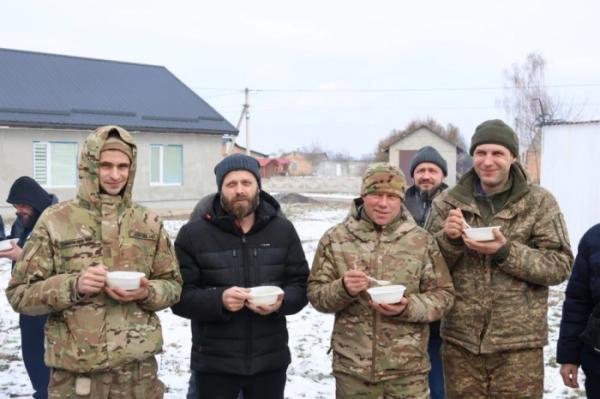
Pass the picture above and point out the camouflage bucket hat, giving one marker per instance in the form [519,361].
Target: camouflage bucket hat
[383,178]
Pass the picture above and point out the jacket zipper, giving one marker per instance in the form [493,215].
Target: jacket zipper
[375,314]
[245,266]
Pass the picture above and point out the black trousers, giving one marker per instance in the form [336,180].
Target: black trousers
[269,385]
[592,385]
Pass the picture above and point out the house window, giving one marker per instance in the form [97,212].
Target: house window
[55,163]
[166,164]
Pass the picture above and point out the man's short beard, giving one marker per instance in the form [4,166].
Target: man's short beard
[240,211]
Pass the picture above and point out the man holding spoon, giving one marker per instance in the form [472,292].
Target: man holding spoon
[379,348]
[499,319]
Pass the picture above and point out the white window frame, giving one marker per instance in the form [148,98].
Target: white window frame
[161,151]
[48,145]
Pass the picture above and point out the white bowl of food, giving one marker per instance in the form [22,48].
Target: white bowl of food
[481,233]
[5,245]
[264,295]
[124,280]
[387,293]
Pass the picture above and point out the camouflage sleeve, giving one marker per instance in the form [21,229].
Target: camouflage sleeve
[326,291]
[436,294]
[546,259]
[165,278]
[452,250]
[34,288]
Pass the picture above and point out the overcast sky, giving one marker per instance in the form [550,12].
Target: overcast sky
[341,74]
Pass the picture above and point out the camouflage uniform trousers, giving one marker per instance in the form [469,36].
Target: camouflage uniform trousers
[137,380]
[410,387]
[510,374]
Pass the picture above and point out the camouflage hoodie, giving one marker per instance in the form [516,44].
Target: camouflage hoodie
[502,300]
[94,332]
[365,343]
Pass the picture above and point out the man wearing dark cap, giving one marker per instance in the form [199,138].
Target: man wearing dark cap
[428,170]
[30,200]
[100,339]
[238,239]
[495,333]
[380,349]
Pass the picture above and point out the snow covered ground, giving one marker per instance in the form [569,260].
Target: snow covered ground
[308,375]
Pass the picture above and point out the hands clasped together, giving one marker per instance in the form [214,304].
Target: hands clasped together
[235,298]
[454,227]
[356,281]
[93,280]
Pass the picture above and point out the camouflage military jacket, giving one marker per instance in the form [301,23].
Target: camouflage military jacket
[366,343]
[502,300]
[94,332]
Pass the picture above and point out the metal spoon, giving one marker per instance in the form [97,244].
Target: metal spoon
[466,225]
[379,282]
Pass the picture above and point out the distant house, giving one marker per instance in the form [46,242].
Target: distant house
[238,149]
[569,169]
[303,163]
[49,103]
[402,150]
[342,168]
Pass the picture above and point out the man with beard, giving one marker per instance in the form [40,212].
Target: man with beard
[428,170]
[30,200]
[240,241]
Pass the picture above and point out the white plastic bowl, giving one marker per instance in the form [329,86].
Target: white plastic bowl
[5,245]
[264,295]
[481,233]
[387,293]
[124,280]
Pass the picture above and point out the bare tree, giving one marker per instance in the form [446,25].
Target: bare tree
[529,105]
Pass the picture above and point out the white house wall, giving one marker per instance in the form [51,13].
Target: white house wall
[421,138]
[201,153]
[569,169]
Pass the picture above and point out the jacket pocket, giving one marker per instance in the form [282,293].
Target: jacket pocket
[77,254]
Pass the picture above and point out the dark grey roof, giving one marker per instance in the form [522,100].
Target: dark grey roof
[49,90]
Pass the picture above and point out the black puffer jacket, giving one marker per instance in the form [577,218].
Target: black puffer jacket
[214,255]
[582,295]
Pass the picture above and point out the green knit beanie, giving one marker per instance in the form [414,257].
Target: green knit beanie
[495,131]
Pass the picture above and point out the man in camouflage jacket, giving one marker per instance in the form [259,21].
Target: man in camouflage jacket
[494,334]
[100,341]
[380,350]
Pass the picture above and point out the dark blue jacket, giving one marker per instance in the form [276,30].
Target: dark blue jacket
[214,255]
[583,293]
[2,234]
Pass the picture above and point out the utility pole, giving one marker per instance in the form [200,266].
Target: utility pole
[246,113]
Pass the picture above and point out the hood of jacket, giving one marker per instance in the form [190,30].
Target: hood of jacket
[89,165]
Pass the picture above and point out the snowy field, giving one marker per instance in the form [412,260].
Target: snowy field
[309,375]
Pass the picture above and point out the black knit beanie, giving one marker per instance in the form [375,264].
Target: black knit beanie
[27,191]
[428,154]
[495,131]
[237,162]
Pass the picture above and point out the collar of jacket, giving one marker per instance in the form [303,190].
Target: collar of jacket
[268,208]
[462,195]
[358,224]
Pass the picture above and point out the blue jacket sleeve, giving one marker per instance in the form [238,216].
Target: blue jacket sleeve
[578,300]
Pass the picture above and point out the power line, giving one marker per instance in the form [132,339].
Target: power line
[396,90]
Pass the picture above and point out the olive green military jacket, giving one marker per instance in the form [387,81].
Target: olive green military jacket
[365,343]
[502,300]
[94,332]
